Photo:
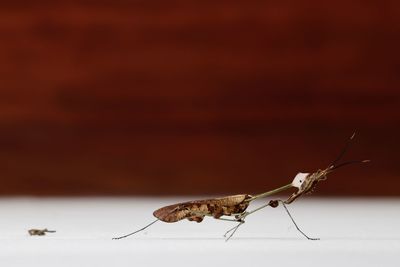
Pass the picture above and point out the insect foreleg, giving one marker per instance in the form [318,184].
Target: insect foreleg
[295,224]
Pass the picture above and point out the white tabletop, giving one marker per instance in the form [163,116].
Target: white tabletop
[353,232]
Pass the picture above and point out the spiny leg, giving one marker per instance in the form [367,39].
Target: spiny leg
[295,224]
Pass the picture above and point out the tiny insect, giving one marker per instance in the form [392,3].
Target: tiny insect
[234,208]
[40,231]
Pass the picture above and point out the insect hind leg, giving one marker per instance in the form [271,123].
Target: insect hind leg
[137,231]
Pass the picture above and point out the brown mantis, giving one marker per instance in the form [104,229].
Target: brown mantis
[40,231]
[234,208]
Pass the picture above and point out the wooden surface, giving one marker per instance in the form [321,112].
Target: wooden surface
[180,97]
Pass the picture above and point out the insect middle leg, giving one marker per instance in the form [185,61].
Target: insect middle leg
[236,219]
[240,219]
[234,229]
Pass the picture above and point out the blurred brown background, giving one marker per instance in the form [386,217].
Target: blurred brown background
[188,97]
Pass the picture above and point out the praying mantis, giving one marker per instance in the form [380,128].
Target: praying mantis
[234,208]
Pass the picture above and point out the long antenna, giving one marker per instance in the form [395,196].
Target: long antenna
[150,224]
[348,163]
[344,150]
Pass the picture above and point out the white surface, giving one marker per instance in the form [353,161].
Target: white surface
[353,232]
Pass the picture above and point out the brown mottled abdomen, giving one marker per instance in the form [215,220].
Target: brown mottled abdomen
[196,210]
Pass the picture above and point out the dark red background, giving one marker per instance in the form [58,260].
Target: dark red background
[189,97]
